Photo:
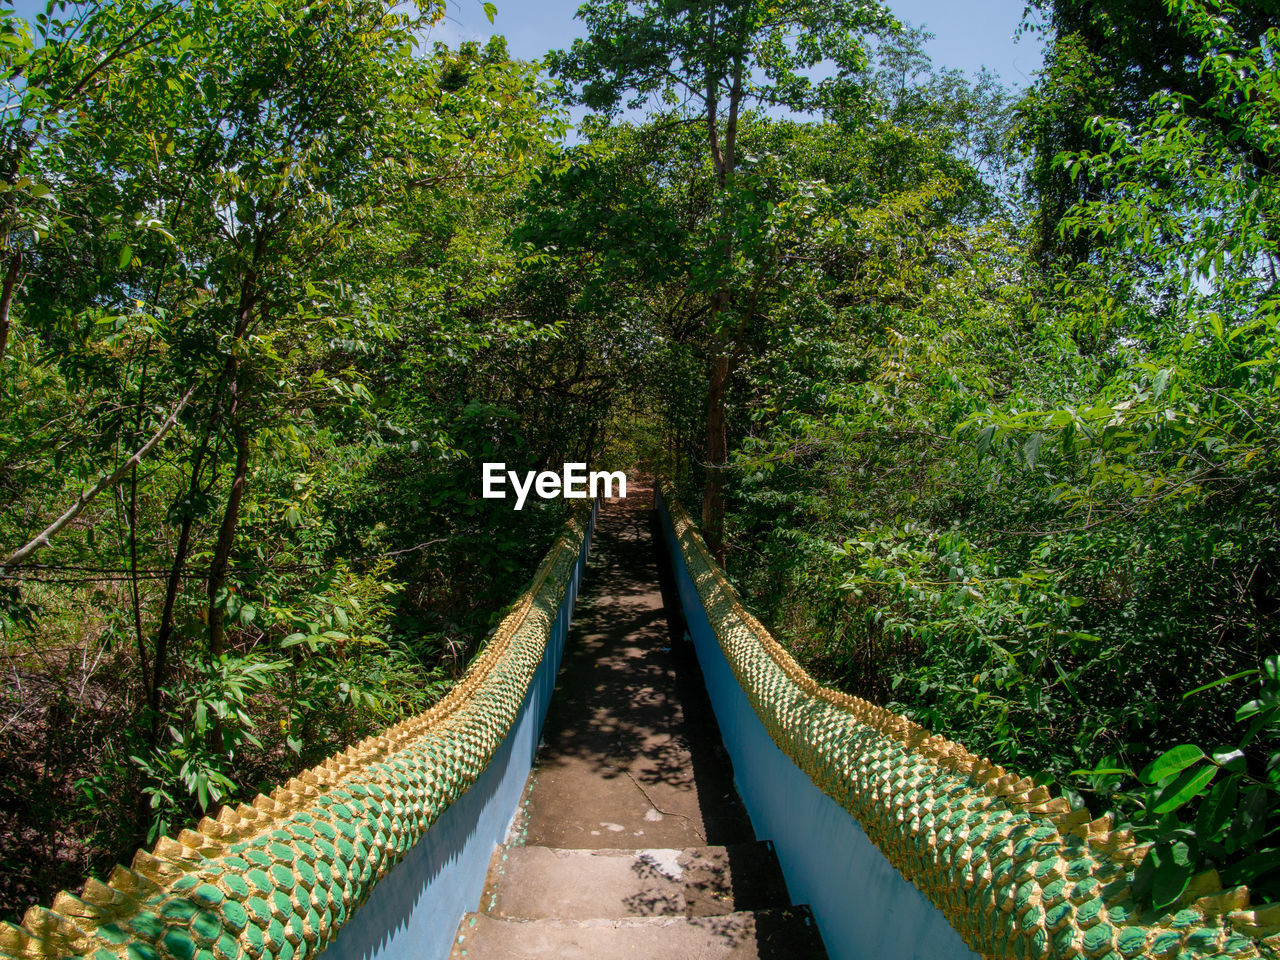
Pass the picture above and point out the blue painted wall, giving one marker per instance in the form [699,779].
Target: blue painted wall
[414,911]
[864,907]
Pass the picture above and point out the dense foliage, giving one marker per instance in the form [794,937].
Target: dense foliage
[1034,506]
[978,390]
[260,323]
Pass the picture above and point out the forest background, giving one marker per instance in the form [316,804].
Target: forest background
[976,388]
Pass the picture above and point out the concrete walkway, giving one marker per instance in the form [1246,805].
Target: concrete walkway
[631,840]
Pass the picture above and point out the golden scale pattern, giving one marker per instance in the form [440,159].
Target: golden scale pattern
[1015,870]
[277,878]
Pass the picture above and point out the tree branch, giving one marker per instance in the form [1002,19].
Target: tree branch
[42,539]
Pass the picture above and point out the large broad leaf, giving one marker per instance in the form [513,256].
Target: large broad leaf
[984,439]
[1189,785]
[1230,758]
[1216,811]
[1173,867]
[1161,381]
[1259,864]
[1031,449]
[1171,762]
[1250,709]
[1250,822]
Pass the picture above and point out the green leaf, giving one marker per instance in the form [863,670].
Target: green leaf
[1250,821]
[985,438]
[1230,758]
[1173,869]
[1251,708]
[1171,762]
[1161,381]
[1102,772]
[1253,867]
[1032,448]
[1218,683]
[126,256]
[1215,813]
[490,11]
[1185,788]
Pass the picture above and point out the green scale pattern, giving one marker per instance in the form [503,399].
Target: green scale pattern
[1017,873]
[276,879]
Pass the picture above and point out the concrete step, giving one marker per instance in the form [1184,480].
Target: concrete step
[546,883]
[782,934]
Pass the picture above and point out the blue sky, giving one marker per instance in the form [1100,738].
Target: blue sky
[969,33]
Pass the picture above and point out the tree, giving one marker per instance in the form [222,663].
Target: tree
[261,249]
[1039,508]
[704,61]
[48,79]
[1110,58]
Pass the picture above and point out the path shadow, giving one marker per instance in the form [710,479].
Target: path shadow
[631,702]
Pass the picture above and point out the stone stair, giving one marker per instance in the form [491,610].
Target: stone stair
[631,841]
[701,903]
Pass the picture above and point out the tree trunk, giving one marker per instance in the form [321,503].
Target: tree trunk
[160,662]
[716,448]
[717,455]
[6,298]
[135,594]
[226,540]
[235,401]
[164,634]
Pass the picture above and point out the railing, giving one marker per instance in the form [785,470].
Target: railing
[858,801]
[387,842]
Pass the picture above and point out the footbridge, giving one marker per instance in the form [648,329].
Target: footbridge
[635,768]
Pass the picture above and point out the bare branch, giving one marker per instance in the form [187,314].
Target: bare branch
[42,539]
